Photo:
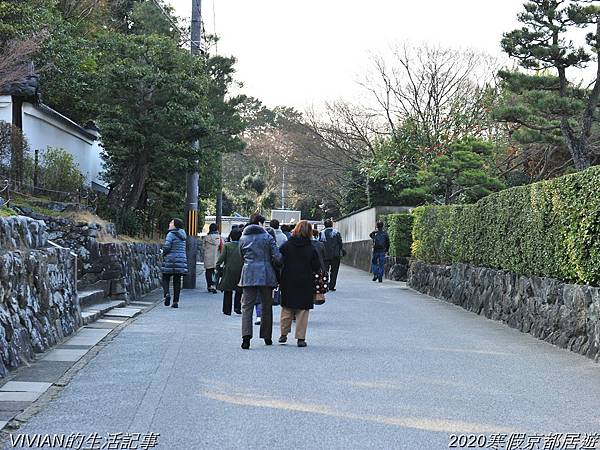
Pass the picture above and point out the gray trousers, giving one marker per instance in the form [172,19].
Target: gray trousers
[250,297]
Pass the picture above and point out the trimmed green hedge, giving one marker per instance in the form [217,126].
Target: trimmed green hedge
[551,229]
[399,228]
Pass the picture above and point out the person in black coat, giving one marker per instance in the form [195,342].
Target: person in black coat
[334,250]
[174,261]
[300,263]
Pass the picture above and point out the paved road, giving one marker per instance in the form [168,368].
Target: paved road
[385,368]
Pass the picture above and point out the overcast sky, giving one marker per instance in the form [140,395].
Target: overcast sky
[302,53]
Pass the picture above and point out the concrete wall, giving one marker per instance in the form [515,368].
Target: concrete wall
[355,229]
[357,226]
[567,315]
[358,254]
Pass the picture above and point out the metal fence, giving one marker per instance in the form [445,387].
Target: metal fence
[9,190]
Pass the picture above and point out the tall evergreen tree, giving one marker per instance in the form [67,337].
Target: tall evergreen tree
[542,44]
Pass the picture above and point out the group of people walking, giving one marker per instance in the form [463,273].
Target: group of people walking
[259,266]
[273,266]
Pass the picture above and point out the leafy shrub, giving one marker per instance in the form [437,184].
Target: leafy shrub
[60,172]
[7,212]
[14,152]
[399,227]
[255,183]
[551,228]
[130,222]
[413,197]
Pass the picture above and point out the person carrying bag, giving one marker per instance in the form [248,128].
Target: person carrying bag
[300,263]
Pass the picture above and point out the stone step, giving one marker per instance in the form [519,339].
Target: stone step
[104,285]
[93,312]
[123,312]
[91,297]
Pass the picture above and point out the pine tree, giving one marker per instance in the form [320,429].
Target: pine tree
[541,44]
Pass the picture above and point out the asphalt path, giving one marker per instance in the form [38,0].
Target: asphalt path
[385,368]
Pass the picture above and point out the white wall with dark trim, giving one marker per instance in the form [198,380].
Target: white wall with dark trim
[45,128]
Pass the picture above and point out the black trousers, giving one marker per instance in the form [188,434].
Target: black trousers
[237,302]
[176,285]
[332,267]
[209,277]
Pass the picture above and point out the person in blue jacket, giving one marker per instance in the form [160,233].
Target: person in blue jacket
[174,261]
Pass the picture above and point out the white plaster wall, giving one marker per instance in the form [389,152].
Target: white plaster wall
[5,108]
[96,166]
[358,226]
[43,131]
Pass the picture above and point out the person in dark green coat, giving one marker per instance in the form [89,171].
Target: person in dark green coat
[231,263]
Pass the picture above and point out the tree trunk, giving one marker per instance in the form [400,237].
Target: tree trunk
[448,194]
[130,191]
[577,146]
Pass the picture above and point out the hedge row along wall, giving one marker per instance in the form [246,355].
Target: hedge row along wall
[399,228]
[549,229]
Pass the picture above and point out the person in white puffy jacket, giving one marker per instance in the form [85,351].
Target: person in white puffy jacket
[212,244]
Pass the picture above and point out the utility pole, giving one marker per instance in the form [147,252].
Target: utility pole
[219,218]
[189,281]
[283,189]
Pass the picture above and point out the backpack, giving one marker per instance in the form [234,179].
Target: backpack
[380,241]
[331,242]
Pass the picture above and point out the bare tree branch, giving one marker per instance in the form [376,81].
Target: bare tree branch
[16,55]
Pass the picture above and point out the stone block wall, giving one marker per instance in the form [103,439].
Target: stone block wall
[22,232]
[38,298]
[567,315]
[122,270]
[396,268]
[130,269]
[80,237]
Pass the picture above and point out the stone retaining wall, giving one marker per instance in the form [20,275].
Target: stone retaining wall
[38,283]
[131,270]
[396,268]
[567,315]
[22,232]
[80,237]
[38,298]
[122,270]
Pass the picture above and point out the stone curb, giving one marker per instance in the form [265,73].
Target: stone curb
[53,391]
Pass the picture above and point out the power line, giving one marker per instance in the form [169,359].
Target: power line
[182,34]
[215,27]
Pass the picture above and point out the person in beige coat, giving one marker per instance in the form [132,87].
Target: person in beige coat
[212,245]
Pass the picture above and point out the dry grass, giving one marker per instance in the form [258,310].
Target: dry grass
[103,236]
[78,216]
[86,216]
